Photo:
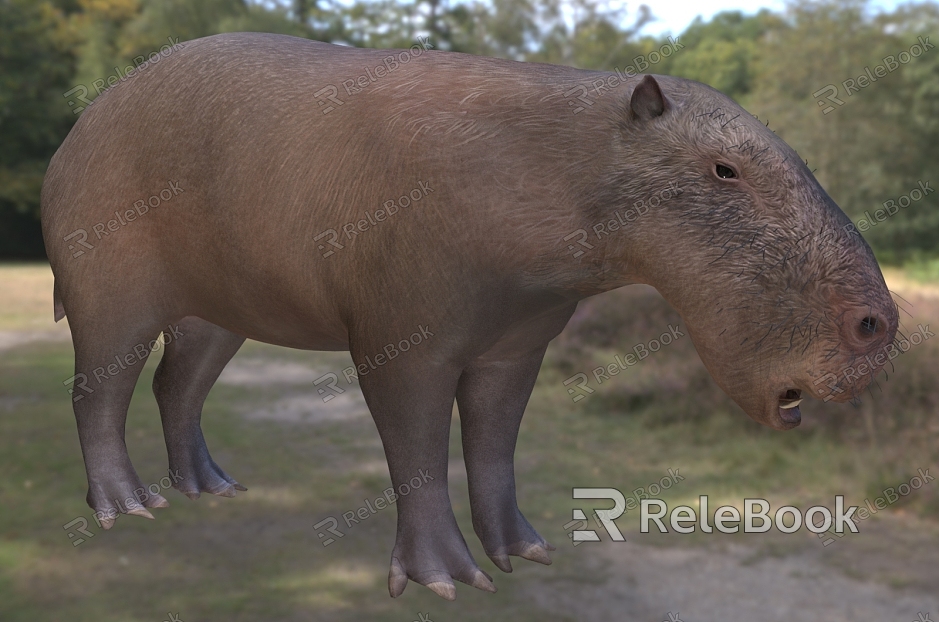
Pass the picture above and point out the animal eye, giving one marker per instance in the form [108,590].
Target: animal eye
[725,172]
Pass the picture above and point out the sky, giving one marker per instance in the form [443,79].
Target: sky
[676,15]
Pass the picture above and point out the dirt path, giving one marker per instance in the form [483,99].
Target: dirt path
[14,338]
[729,582]
[888,573]
[698,585]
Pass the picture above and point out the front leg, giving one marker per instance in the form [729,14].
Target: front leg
[411,401]
[492,396]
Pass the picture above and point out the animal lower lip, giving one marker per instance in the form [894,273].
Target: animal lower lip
[789,406]
[791,415]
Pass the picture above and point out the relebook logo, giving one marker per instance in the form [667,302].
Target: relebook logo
[684,519]
[726,519]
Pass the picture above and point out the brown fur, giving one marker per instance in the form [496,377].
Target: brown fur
[481,261]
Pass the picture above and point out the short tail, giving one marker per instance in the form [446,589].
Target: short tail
[57,302]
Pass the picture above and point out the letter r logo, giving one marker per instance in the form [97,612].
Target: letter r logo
[832,381]
[580,534]
[333,524]
[581,380]
[330,92]
[333,236]
[330,380]
[606,517]
[82,97]
[82,236]
[581,91]
[831,94]
[82,529]
[80,382]
[576,252]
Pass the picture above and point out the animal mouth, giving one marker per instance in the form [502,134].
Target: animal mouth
[789,406]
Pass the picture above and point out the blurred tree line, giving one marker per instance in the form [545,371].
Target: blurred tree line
[870,140]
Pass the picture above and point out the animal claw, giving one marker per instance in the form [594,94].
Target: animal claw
[502,562]
[535,553]
[481,581]
[227,491]
[157,501]
[444,589]
[139,510]
[397,578]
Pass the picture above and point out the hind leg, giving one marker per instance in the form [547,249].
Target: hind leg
[110,351]
[189,368]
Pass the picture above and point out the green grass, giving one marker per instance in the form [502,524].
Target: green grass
[924,270]
[257,556]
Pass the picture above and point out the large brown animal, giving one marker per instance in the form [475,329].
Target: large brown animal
[325,198]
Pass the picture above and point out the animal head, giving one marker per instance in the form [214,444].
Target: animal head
[781,296]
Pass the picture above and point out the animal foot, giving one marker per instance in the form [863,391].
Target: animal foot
[514,536]
[122,494]
[199,474]
[436,563]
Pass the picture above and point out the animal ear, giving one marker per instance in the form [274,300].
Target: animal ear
[647,100]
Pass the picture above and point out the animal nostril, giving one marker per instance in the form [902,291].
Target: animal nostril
[869,326]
